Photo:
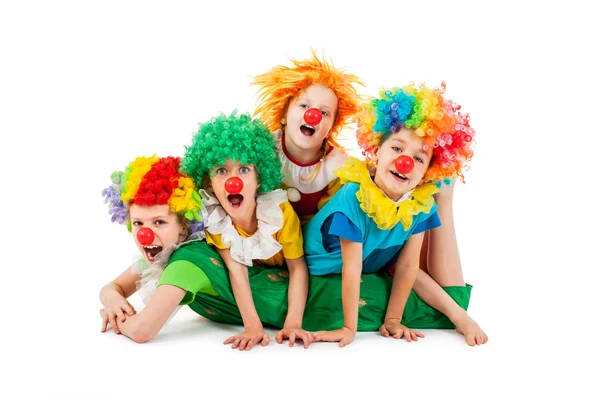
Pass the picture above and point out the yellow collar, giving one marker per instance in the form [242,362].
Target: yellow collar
[385,212]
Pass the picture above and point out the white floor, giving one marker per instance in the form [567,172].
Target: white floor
[67,356]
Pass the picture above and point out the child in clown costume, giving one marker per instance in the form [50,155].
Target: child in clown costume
[415,139]
[250,221]
[161,208]
[306,106]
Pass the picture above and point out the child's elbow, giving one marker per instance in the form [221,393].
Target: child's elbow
[141,334]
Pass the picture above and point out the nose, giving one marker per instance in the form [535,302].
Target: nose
[313,116]
[404,164]
[145,236]
[234,185]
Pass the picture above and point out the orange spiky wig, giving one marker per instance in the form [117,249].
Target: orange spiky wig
[282,83]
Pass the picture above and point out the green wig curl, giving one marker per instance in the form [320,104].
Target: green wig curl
[234,137]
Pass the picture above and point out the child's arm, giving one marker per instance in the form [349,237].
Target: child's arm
[404,279]
[113,296]
[240,284]
[145,325]
[351,270]
[297,294]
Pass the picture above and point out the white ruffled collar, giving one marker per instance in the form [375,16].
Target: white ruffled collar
[261,245]
[299,176]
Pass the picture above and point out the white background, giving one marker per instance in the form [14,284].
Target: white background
[85,87]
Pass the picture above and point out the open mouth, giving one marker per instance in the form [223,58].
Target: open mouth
[307,130]
[400,177]
[152,251]
[235,201]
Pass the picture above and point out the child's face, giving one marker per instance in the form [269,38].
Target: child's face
[162,221]
[240,204]
[387,178]
[302,135]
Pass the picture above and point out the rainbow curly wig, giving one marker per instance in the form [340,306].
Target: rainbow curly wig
[234,137]
[154,181]
[431,116]
[282,83]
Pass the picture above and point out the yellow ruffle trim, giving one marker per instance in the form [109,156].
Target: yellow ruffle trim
[385,212]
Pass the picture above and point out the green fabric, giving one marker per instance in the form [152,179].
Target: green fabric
[324,304]
[186,275]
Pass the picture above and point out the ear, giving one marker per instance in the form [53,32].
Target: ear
[375,155]
[182,234]
[283,121]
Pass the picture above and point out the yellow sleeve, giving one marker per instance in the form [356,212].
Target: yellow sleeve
[332,189]
[215,240]
[290,234]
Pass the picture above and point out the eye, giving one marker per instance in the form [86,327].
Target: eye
[304,106]
[160,222]
[221,171]
[137,224]
[324,113]
[418,159]
[244,169]
[395,148]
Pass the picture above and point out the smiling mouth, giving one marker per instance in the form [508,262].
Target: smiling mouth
[235,201]
[307,130]
[152,251]
[399,176]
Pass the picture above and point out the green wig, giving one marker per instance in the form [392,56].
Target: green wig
[234,137]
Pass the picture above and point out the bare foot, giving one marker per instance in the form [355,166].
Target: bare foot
[474,335]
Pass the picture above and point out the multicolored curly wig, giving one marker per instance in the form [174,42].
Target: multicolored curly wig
[282,83]
[234,137]
[431,116]
[154,181]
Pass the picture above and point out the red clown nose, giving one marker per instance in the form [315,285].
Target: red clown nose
[313,116]
[145,236]
[404,164]
[234,185]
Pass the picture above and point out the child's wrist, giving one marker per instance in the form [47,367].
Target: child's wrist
[393,319]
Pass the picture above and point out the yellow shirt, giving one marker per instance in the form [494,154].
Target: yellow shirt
[289,236]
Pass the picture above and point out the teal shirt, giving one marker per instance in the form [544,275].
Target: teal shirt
[321,260]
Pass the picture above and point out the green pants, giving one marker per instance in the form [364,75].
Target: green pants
[324,305]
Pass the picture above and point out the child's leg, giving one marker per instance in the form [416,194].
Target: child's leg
[424,249]
[443,268]
[433,294]
[443,260]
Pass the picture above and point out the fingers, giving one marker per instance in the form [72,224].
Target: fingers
[231,339]
[279,337]
[129,310]
[248,345]
[104,320]
[383,331]
[292,339]
[265,340]
[324,336]
[119,314]
[306,337]
[345,341]
[112,319]
[398,333]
